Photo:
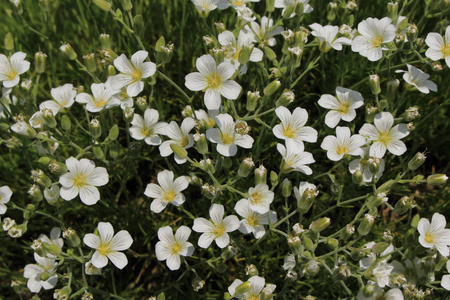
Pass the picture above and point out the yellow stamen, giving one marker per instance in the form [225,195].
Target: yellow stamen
[237,2]
[146,131]
[136,75]
[176,248]
[341,150]
[12,74]
[184,141]
[429,238]
[252,220]
[446,50]
[343,108]
[289,132]
[236,54]
[384,137]
[80,180]
[104,249]
[100,102]
[214,81]
[169,195]
[227,138]
[377,41]
[255,198]
[252,297]
[219,230]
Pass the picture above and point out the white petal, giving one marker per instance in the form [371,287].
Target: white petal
[223,240]
[195,81]
[230,89]
[121,241]
[92,240]
[98,177]
[89,195]
[205,240]
[123,64]
[216,212]
[212,99]
[135,88]
[226,70]
[173,262]
[98,260]
[158,205]
[118,259]
[182,234]
[202,225]
[106,231]
[68,193]
[396,147]
[206,64]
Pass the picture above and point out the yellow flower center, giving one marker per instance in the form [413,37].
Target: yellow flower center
[214,81]
[237,2]
[377,41]
[252,220]
[255,198]
[219,230]
[184,141]
[236,54]
[12,74]
[343,108]
[289,132]
[341,150]
[227,138]
[123,94]
[100,102]
[104,249]
[169,195]
[446,50]
[211,122]
[63,103]
[80,180]
[176,248]
[429,238]
[252,296]
[137,74]
[384,137]
[146,131]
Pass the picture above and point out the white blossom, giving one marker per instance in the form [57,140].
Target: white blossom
[178,135]
[343,143]
[439,46]
[253,221]
[419,79]
[293,127]
[41,275]
[435,235]
[170,246]
[5,196]
[11,68]
[148,128]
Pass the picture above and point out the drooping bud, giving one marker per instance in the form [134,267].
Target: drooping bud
[179,151]
[312,267]
[404,204]
[332,243]
[57,167]
[286,188]
[306,199]
[369,291]
[243,288]
[29,211]
[320,224]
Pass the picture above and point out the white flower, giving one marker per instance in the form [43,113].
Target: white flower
[108,245]
[343,143]
[11,68]
[148,127]
[374,34]
[291,4]
[226,137]
[23,128]
[103,96]
[445,281]
[293,127]
[295,158]
[257,284]
[170,247]
[384,136]
[206,119]
[342,106]
[82,178]
[382,272]
[54,239]
[364,164]
[5,196]
[214,79]
[327,37]
[63,97]
[41,275]
[264,33]
[205,6]
[90,269]
[392,294]
[180,136]
[132,73]
[439,46]
[260,198]
[168,191]
[217,229]
[253,222]
[419,79]
[434,235]
[237,4]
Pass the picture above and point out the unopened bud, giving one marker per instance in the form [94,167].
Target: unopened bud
[391,90]
[357,177]
[105,41]
[66,124]
[39,62]
[52,194]
[244,54]
[332,243]
[272,87]
[62,294]
[179,151]
[245,167]
[126,5]
[111,70]
[347,232]
[332,9]
[197,284]
[306,199]
[48,117]
[270,5]
[404,204]
[71,237]
[285,99]
[57,167]
[252,100]
[412,113]
[320,225]
[273,178]
[286,188]
[411,32]
[392,10]
[89,60]
[260,175]
[40,178]
[29,211]
[9,42]
[374,82]
[103,5]
[436,179]
[128,114]
[269,53]
[251,270]
[295,244]
[35,192]
[378,248]
[68,50]
[366,224]
[416,161]
[243,288]
[95,128]
[201,143]
[312,267]
[371,111]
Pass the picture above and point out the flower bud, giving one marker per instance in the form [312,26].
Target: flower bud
[9,42]
[286,188]
[251,270]
[128,114]
[71,237]
[412,113]
[269,53]
[357,177]
[347,232]
[342,272]
[57,167]
[197,284]
[320,225]
[371,111]
[35,192]
[126,5]
[8,223]
[244,54]
[332,243]
[29,211]
[218,54]
[416,161]
[392,10]
[270,5]
[207,165]
[391,90]
[114,132]
[437,66]
[366,224]
[103,5]
[179,151]
[39,62]
[312,267]
[245,167]
[105,41]
[298,229]
[436,179]
[201,143]
[374,82]
[404,204]
[68,50]
[386,187]
[273,178]
[48,117]
[411,32]
[62,294]
[95,128]
[378,248]
[307,241]
[384,104]
[141,103]
[295,244]
[98,152]
[252,100]
[209,191]
[52,194]
[306,199]
[40,178]
[260,175]
[66,124]
[272,87]
[111,70]
[243,288]
[38,247]
[89,61]
[24,129]
[368,291]
[286,98]
[332,10]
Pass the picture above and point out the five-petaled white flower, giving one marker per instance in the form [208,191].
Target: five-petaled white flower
[419,79]
[204,7]
[41,275]
[63,97]
[170,246]
[435,235]
[260,198]
[256,287]
[132,73]
[83,178]
[238,4]
[295,158]
[439,46]
[252,221]
[342,106]
[147,128]
[5,196]
[293,127]
[343,143]
[179,135]
[291,5]
[226,137]
[11,68]
[168,191]
[327,37]
[214,79]
[375,34]
[103,96]
[54,239]
[264,33]
[367,165]
[107,246]
[217,229]
[384,136]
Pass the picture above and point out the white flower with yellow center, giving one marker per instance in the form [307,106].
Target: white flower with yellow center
[54,239]
[63,97]
[343,106]
[254,293]
[107,246]
[41,275]
[439,46]
[253,222]
[206,119]
[293,127]
[295,158]
[419,79]
[179,135]
[132,73]
[168,191]
[375,34]
[343,143]
[103,96]
[435,235]
[217,228]
[260,198]
[327,37]
[170,246]
[204,7]
[292,5]
[264,33]
[226,137]
[384,136]
[83,178]
[214,79]
[371,167]
[237,4]
[11,68]
[148,128]
[5,196]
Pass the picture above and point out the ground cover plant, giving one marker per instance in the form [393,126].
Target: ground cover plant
[224,149]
